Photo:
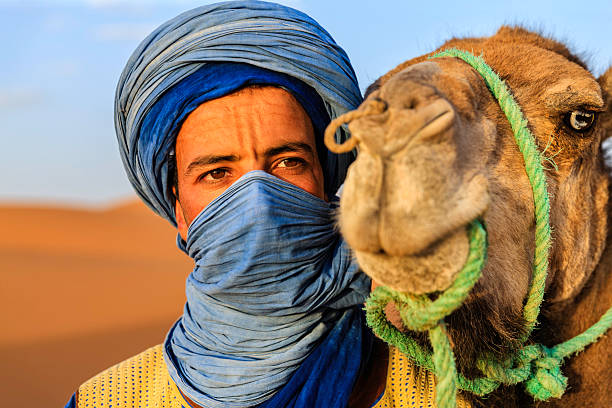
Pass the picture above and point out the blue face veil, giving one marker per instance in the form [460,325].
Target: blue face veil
[273,315]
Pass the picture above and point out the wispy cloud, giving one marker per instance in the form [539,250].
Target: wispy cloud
[67,67]
[55,22]
[114,4]
[19,98]
[186,3]
[130,31]
[104,3]
[122,31]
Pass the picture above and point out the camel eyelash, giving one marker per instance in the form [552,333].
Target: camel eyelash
[547,155]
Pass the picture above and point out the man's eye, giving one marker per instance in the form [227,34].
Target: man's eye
[214,175]
[291,162]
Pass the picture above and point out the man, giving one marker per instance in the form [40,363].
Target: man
[220,115]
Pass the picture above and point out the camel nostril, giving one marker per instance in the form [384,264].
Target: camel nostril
[411,103]
[381,104]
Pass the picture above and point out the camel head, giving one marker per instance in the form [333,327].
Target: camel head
[436,152]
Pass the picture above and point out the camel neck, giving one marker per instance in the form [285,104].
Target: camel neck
[573,316]
[590,369]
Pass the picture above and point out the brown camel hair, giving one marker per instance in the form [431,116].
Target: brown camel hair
[412,191]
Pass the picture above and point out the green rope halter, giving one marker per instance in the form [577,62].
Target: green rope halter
[537,366]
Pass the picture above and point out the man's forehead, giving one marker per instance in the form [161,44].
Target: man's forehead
[272,96]
[255,119]
[250,103]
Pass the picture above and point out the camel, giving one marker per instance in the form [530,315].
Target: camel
[440,153]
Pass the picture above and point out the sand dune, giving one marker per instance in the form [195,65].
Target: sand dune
[81,290]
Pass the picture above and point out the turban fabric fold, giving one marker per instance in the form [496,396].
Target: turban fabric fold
[260,34]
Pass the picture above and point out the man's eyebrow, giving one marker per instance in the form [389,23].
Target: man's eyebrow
[208,160]
[288,147]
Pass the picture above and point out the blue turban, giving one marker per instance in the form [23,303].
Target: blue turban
[260,34]
[296,342]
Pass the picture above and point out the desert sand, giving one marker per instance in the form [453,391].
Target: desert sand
[81,290]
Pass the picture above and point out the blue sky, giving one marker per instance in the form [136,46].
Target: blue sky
[61,60]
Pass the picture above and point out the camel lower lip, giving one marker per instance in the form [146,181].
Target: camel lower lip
[433,269]
[427,251]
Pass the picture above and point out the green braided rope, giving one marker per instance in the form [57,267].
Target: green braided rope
[444,362]
[590,335]
[535,172]
[536,365]
[420,313]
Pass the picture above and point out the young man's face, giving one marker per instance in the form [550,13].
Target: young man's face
[258,128]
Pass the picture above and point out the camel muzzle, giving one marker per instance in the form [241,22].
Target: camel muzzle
[405,206]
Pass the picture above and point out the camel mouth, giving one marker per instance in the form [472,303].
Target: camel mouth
[430,270]
[411,243]
[422,253]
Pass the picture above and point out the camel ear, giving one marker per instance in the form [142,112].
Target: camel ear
[605,81]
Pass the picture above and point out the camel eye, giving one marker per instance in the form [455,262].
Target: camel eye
[579,120]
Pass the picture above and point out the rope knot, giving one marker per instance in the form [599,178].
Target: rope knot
[546,379]
[536,365]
